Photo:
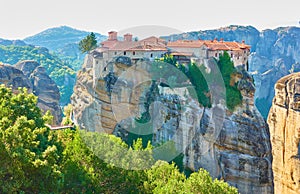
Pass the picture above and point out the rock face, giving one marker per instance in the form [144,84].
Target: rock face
[284,125]
[275,53]
[31,75]
[13,77]
[233,146]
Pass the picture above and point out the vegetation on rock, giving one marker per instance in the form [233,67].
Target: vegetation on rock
[88,43]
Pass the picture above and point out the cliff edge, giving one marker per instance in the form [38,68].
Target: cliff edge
[284,126]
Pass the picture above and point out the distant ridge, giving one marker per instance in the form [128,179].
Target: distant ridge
[59,37]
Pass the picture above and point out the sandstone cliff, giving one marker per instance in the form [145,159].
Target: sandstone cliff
[234,146]
[31,75]
[284,126]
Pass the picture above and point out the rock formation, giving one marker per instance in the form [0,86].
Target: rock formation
[12,77]
[233,146]
[237,151]
[284,126]
[31,75]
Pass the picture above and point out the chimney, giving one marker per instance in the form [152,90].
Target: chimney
[128,37]
[112,35]
[221,40]
[215,40]
[243,41]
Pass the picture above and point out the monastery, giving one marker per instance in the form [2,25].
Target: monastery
[152,48]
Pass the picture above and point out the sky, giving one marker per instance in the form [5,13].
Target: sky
[23,18]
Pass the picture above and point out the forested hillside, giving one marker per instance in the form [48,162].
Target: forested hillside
[63,41]
[61,72]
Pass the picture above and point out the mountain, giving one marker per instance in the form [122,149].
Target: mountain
[59,37]
[62,74]
[274,54]
[63,41]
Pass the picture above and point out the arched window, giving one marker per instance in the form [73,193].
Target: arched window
[133,53]
[124,52]
[151,55]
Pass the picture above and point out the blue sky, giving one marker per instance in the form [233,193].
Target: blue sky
[19,19]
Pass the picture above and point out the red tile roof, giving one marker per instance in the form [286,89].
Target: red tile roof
[151,43]
[186,43]
[212,45]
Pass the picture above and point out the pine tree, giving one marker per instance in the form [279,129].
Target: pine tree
[88,43]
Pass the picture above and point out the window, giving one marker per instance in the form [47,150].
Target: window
[231,55]
[133,53]
[97,62]
[151,55]
[105,68]
[115,53]
[216,55]
[219,54]
[124,52]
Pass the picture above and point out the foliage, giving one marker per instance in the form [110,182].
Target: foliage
[61,72]
[233,95]
[180,73]
[198,81]
[201,182]
[166,178]
[88,43]
[67,115]
[28,149]
[48,118]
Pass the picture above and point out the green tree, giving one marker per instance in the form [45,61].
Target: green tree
[88,43]
[164,178]
[201,182]
[29,151]
[67,112]
[233,95]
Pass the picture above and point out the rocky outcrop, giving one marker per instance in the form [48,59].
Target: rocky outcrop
[43,87]
[284,126]
[13,77]
[274,54]
[233,146]
[31,75]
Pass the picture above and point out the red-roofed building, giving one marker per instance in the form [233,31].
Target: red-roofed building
[152,47]
[204,49]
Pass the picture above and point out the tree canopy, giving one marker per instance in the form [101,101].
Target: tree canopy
[88,43]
